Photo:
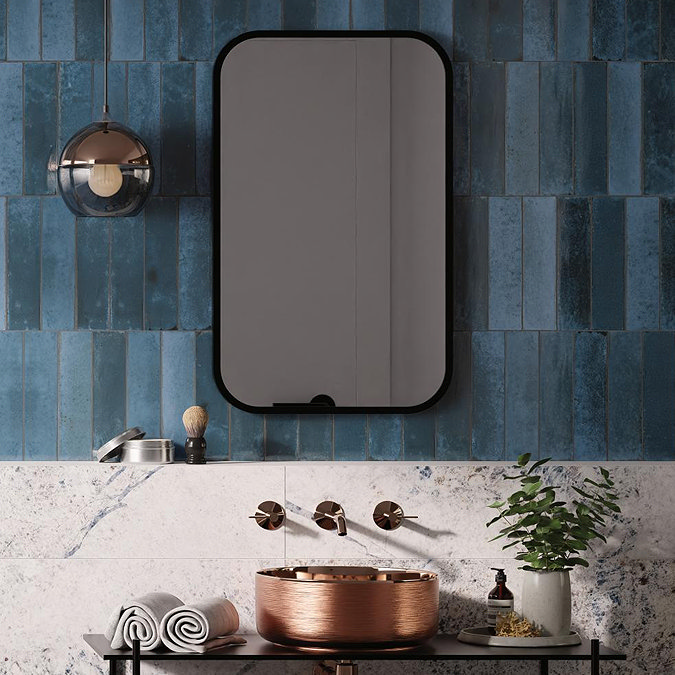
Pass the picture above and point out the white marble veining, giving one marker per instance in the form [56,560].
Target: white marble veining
[77,539]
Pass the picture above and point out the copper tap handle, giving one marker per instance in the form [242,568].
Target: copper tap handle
[270,515]
[389,516]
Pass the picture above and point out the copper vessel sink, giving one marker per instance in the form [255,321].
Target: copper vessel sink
[356,607]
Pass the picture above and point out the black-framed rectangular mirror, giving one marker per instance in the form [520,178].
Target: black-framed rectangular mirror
[332,221]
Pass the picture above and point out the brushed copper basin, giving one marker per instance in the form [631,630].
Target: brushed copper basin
[333,607]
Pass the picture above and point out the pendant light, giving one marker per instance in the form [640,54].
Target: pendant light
[105,169]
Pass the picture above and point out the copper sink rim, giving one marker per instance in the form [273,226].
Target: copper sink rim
[424,576]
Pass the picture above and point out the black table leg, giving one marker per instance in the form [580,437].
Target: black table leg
[543,667]
[136,657]
[113,666]
[595,657]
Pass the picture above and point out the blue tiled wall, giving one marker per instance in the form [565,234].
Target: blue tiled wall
[564,184]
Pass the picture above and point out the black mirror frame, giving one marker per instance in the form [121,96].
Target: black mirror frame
[310,408]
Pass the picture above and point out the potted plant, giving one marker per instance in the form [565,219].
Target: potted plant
[553,536]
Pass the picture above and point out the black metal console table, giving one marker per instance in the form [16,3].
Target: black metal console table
[440,648]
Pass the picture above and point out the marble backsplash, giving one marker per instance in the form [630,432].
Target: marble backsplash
[76,539]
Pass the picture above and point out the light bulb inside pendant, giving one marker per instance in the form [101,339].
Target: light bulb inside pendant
[105,180]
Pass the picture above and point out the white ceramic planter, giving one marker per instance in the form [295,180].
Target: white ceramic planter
[547,601]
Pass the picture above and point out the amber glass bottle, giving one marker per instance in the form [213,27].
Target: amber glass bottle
[500,599]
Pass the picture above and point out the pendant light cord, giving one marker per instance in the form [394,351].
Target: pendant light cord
[106,110]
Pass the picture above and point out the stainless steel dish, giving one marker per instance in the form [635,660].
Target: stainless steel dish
[148,451]
[333,607]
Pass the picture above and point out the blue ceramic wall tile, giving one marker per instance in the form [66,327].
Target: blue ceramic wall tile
[590,128]
[126,273]
[608,258]
[23,30]
[126,30]
[23,263]
[453,433]
[505,263]
[264,14]
[470,263]
[556,124]
[178,129]
[505,36]
[246,436]
[332,14]
[281,437]
[461,165]
[299,14]
[93,251]
[419,436]
[522,128]
[3,30]
[109,386]
[161,263]
[194,263]
[436,20]
[229,20]
[521,414]
[143,382]
[208,396]
[11,111]
[609,29]
[40,395]
[624,378]
[75,395]
[58,30]
[487,375]
[178,384]
[118,100]
[668,29]
[659,118]
[144,110]
[75,100]
[385,437]
[11,395]
[40,121]
[590,396]
[624,119]
[58,265]
[667,270]
[195,34]
[161,30]
[3,260]
[88,26]
[659,396]
[555,395]
[349,437]
[315,437]
[642,263]
[487,128]
[204,116]
[539,23]
[642,29]
[539,269]
[367,14]
[574,263]
[471,30]
[574,29]
[401,14]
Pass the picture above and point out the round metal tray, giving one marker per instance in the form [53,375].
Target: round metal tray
[485,635]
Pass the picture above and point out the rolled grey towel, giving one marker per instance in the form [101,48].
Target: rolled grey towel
[201,626]
[140,620]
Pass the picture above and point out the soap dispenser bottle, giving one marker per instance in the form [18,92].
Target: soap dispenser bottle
[500,599]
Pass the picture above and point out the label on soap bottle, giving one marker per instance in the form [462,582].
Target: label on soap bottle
[495,607]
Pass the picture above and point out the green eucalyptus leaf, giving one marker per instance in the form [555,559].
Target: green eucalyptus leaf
[496,505]
[577,561]
[538,463]
[524,459]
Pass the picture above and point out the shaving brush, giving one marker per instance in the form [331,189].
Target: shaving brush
[195,420]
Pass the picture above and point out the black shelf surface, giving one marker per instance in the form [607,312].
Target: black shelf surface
[440,648]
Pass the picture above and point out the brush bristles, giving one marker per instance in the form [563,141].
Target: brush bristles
[195,420]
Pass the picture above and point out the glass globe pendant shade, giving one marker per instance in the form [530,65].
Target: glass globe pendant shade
[105,169]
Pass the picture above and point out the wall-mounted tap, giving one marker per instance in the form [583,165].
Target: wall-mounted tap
[329,516]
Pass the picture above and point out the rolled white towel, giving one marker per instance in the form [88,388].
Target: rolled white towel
[140,620]
[201,626]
